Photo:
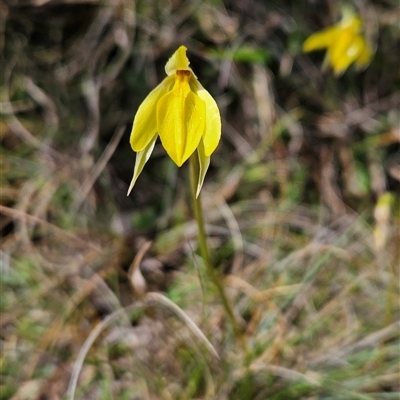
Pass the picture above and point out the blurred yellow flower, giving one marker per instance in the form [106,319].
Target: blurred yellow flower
[345,44]
[182,113]
[383,215]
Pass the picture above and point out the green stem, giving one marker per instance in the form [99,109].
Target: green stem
[202,237]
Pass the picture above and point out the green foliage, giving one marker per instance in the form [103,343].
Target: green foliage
[243,54]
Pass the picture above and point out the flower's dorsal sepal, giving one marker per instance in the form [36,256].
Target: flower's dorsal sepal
[141,159]
[178,62]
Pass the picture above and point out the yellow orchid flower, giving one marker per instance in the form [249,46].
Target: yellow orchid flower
[344,42]
[383,214]
[182,113]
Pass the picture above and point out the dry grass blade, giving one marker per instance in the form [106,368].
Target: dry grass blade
[237,238]
[91,93]
[158,298]
[89,343]
[41,98]
[20,215]
[372,340]
[285,373]
[98,169]
[135,276]
[26,136]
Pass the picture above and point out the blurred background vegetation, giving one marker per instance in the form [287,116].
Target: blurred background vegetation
[103,296]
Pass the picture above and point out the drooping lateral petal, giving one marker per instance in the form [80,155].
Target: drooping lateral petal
[181,120]
[321,39]
[141,159]
[204,163]
[212,131]
[145,123]
[365,55]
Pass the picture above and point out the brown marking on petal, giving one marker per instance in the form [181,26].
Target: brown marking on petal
[183,72]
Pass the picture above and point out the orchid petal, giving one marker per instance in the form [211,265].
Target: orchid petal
[145,123]
[321,39]
[204,163]
[181,120]
[345,51]
[212,131]
[141,159]
[365,56]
